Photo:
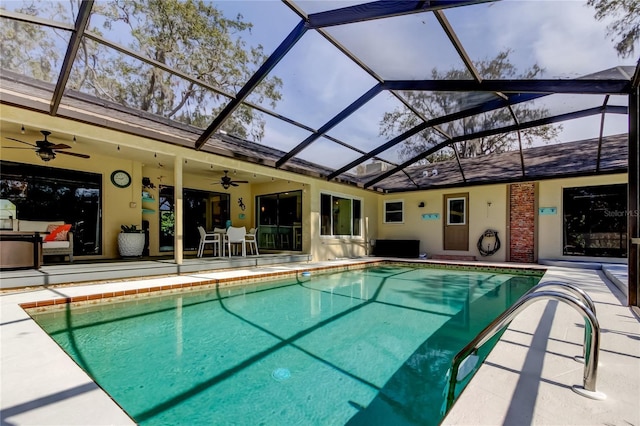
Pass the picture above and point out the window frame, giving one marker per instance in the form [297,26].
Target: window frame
[594,213]
[464,212]
[385,211]
[351,219]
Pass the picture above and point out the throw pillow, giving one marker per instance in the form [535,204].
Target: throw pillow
[57,232]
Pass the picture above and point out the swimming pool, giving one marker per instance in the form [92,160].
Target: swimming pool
[360,347]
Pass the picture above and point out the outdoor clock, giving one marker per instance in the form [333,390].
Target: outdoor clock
[120,178]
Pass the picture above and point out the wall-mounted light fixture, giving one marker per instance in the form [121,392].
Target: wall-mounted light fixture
[421,204]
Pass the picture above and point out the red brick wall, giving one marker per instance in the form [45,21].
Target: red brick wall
[522,222]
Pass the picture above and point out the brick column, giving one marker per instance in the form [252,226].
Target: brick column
[522,222]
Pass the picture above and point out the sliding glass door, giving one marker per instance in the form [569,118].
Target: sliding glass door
[50,194]
[279,217]
[200,208]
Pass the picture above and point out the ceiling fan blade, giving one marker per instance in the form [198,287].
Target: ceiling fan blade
[233,184]
[241,181]
[26,143]
[19,147]
[59,146]
[74,154]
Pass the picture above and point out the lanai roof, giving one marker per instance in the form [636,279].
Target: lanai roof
[343,66]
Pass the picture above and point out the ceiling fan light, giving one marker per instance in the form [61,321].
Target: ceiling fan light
[46,155]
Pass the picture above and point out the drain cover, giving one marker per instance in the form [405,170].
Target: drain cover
[281,374]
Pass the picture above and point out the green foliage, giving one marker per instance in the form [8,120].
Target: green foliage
[130,229]
[167,223]
[189,36]
[436,104]
[625,28]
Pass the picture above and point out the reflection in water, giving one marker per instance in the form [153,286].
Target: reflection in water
[356,344]
[178,327]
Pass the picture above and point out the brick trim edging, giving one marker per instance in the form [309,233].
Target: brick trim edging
[169,288]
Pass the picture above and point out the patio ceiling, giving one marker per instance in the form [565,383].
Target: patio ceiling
[359,82]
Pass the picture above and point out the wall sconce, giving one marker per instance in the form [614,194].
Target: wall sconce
[421,204]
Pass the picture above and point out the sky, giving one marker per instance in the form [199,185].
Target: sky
[562,37]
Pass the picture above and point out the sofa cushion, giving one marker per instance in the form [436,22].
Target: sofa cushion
[36,225]
[57,232]
[55,245]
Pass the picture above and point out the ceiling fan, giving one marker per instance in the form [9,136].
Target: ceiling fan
[47,150]
[226,181]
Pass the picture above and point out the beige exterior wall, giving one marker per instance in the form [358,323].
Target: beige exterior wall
[325,248]
[487,204]
[487,210]
[124,205]
[116,202]
[550,237]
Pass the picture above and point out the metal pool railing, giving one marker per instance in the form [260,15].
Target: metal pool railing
[579,300]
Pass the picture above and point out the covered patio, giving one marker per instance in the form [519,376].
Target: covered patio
[342,104]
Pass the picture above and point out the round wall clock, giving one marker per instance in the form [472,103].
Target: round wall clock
[120,178]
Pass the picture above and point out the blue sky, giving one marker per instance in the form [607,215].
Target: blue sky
[562,37]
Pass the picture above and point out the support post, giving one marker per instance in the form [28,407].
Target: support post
[633,206]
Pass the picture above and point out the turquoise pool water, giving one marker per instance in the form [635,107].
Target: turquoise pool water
[360,347]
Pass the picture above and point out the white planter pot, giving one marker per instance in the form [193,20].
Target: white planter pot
[130,244]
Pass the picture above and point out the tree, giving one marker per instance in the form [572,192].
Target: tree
[28,49]
[626,26]
[190,36]
[437,104]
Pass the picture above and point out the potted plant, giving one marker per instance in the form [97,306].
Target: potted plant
[131,241]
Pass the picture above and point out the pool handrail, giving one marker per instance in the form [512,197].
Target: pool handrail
[577,291]
[591,343]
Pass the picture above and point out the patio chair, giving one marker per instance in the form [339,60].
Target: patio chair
[252,239]
[223,237]
[208,238]
[236,235]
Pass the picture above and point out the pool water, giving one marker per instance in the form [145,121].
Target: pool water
[371,346]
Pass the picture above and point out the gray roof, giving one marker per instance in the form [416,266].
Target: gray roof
[348,64]
[579,158]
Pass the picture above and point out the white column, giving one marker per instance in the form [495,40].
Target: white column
[178,237]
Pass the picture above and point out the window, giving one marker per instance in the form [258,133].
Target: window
[49,193]
[340,216]
[393,211]
[456,211]
[595,221]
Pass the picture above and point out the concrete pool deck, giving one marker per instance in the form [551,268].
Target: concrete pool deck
[525,380]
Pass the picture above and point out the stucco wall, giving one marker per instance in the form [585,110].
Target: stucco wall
[487,204]
[550,237]
[487,210]
[324,248]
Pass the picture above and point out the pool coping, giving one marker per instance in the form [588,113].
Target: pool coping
[121,295]
[42,385]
